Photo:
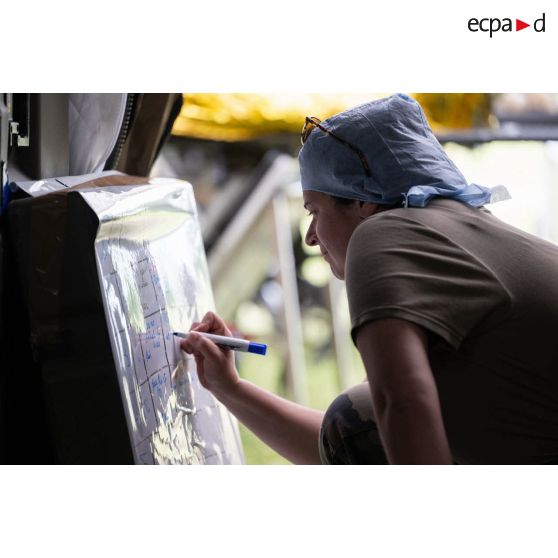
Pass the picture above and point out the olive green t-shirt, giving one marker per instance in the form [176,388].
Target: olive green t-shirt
[487,294]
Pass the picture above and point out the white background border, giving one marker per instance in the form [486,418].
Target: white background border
[282,46]
[274,46]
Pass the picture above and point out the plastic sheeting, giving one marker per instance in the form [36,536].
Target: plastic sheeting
[114,266]
[94,124]
[155,281]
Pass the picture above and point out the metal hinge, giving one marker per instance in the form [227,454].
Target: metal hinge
[22,141]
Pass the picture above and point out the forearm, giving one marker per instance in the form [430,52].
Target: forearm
[289,428]
[412,432]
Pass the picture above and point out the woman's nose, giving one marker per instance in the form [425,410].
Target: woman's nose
[310,237]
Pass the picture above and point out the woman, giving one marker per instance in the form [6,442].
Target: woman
[454,312]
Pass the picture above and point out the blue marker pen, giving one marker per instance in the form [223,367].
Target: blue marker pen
[230,343]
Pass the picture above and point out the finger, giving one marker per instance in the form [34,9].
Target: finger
[185,346]
[204,346]
[198,326]
[215,324]
[189,347]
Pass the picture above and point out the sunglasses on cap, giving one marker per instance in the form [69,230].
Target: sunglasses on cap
[312,122]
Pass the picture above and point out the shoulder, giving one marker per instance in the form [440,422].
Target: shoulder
[378,222]
[439,222]
[394,226]
[426,266]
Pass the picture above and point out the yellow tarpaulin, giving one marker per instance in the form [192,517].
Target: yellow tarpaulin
[245,116]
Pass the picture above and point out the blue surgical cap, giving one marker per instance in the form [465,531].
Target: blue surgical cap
[407,163]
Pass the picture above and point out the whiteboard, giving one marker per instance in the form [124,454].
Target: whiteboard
[154,280]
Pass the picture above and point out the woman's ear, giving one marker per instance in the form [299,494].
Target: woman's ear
[365,209]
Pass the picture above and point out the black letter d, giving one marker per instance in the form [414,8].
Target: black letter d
[535,27]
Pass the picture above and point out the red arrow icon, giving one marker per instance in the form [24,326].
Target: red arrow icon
[519,25]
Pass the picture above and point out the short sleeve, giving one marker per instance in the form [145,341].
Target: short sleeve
[401,268]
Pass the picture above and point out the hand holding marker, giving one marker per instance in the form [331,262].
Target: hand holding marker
[230,342]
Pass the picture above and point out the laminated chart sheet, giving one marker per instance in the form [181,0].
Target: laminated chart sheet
[144,243]
[152,268]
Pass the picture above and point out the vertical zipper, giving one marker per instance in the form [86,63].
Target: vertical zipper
[112,161]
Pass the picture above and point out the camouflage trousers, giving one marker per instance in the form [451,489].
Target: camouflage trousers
[348,435]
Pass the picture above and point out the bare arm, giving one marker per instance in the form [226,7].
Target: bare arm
[290,429]
[404,392]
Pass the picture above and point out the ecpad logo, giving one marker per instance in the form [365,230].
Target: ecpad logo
[494,24]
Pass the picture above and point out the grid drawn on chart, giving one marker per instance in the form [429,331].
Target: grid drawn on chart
[157,377]
[140,384]
[213,452]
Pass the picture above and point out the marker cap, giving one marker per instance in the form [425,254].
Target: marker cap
[257,348]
